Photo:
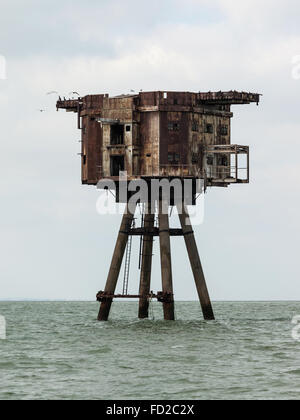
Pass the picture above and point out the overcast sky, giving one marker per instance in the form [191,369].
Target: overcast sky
[53,244]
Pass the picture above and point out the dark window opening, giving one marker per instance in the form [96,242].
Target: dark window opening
[173,126]
[209,128]
[116,134]
[128,128]
[175,101]
[210,160]
[116,165]
[222,161]
[224,130]
[83,130]
[93,118]
[84,159]
[173,157]
[195,158]
[195,126]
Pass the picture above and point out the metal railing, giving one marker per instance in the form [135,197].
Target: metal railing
[230,172]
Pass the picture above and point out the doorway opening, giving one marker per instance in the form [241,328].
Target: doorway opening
[116,165]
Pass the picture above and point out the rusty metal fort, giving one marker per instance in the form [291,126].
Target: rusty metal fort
[159,135]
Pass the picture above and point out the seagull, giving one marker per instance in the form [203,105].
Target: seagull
[74,93]
[131,90]
[41,110]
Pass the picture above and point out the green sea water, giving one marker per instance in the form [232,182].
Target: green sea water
[57,350]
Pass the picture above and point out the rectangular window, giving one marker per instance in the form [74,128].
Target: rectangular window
[224,130]
[173,157]
[195,126]
[210,160]
[175,101]
[222,161]
[195,158]
[170,157]
[209,128]
[173,126]
[128,128]
[116,134]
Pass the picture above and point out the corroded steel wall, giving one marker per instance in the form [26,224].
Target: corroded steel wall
[164,133]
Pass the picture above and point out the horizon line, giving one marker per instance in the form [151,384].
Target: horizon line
[127,300]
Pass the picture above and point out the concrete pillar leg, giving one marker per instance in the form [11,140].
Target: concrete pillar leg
[145,278]
[195,261]
[166,264]
[116,263]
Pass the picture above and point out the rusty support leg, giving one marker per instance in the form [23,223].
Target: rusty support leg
[116,263]
[166,264]
[146,265]
[195,261]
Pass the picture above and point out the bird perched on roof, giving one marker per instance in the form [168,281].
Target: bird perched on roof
[74,93]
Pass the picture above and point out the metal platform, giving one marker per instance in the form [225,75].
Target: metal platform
[160,296]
